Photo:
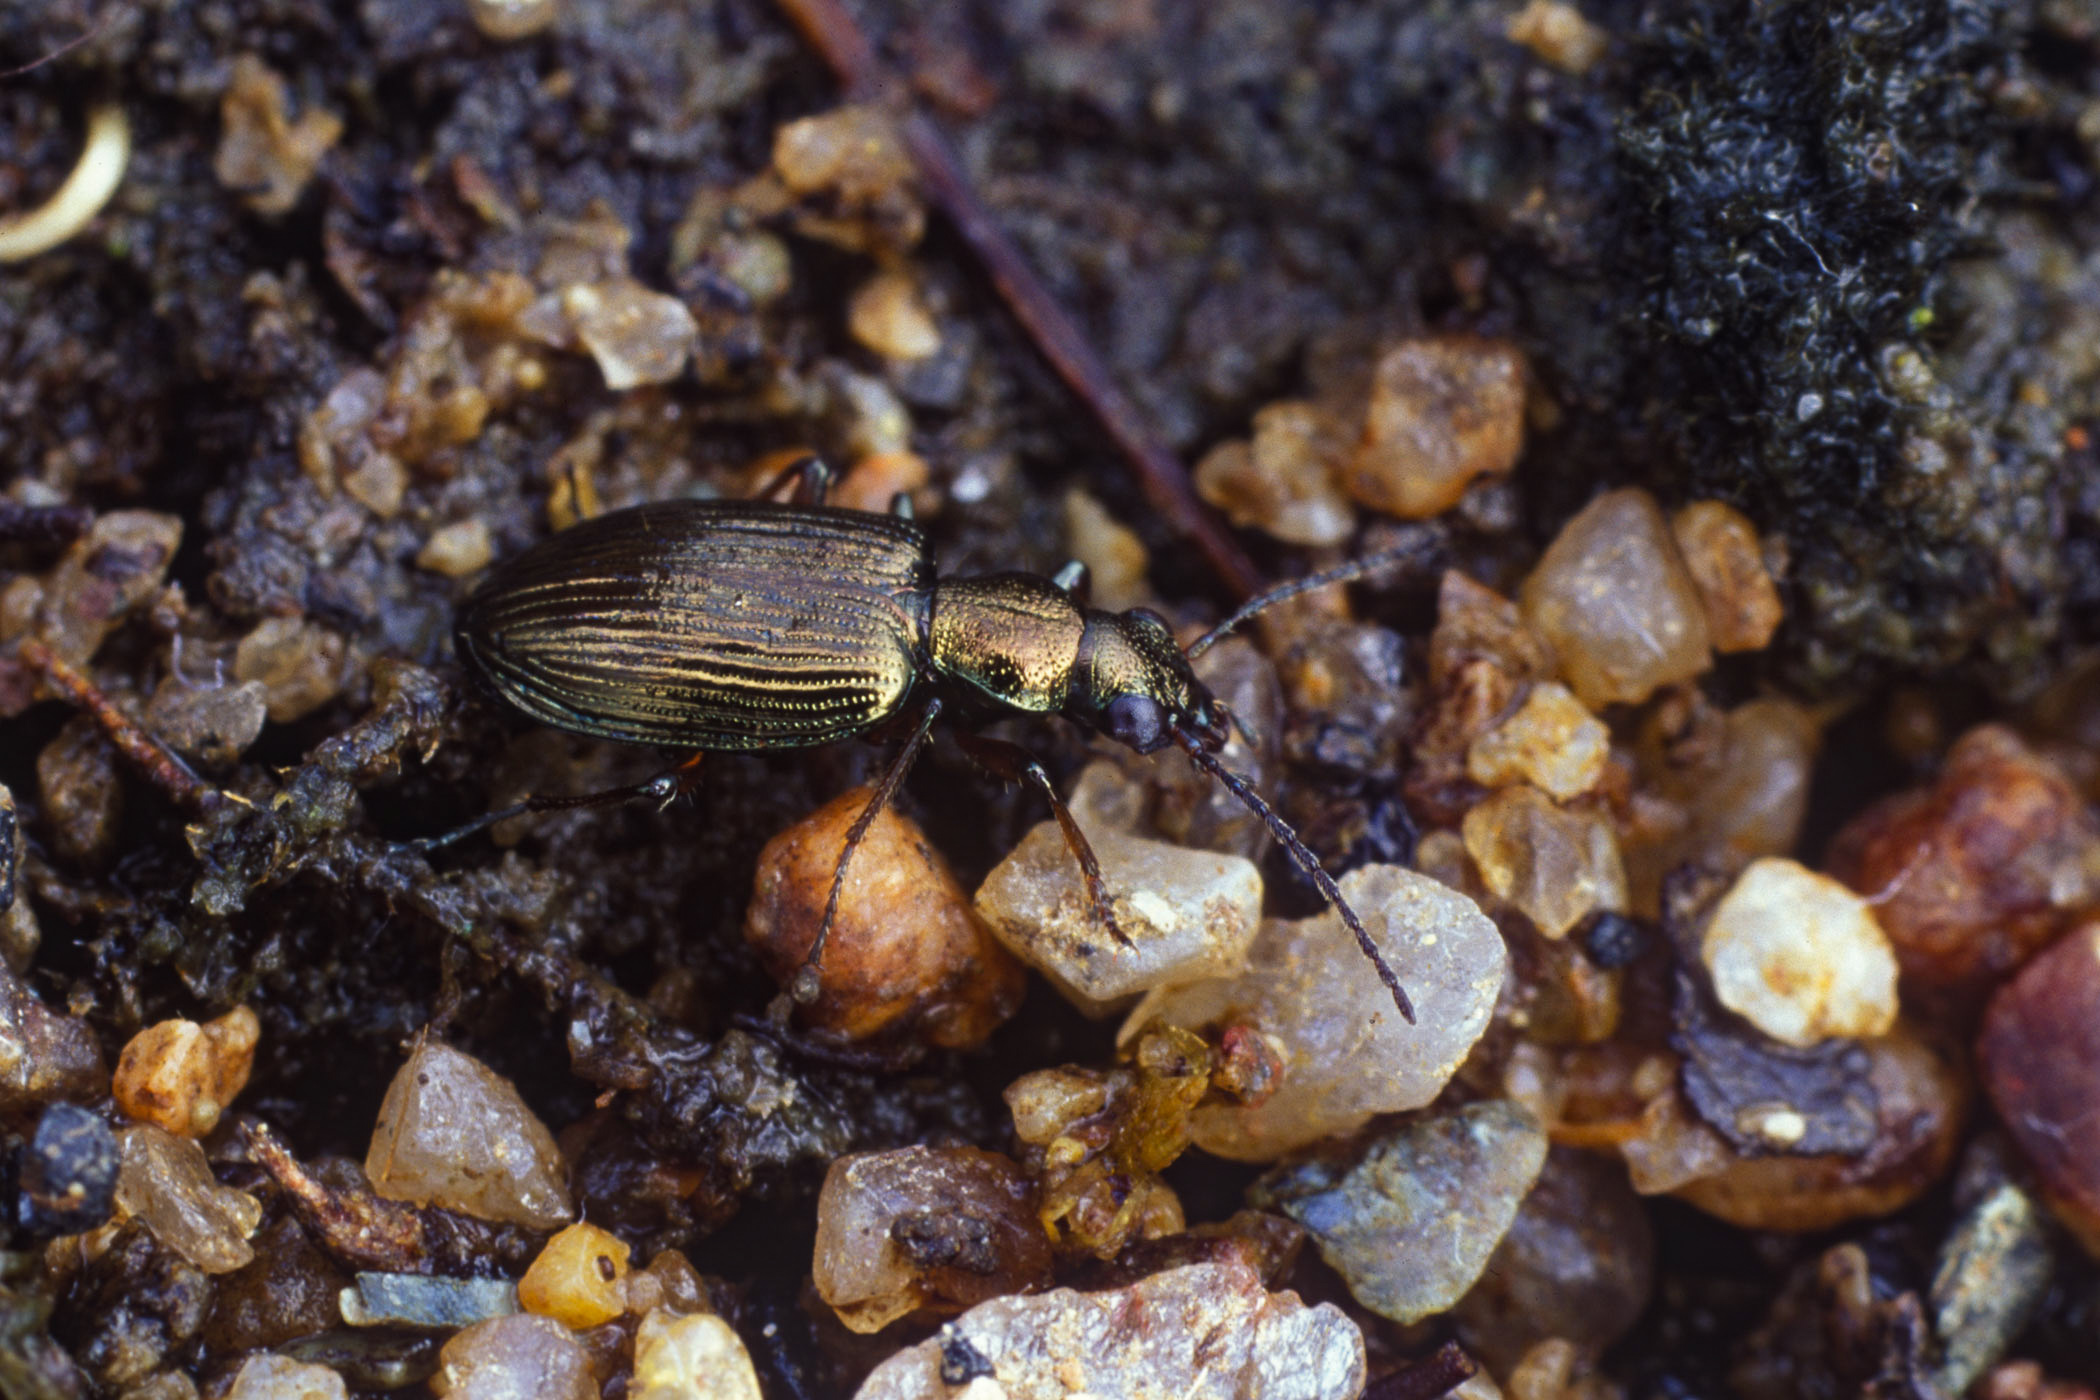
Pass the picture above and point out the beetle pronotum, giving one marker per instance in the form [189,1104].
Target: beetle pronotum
[745,625]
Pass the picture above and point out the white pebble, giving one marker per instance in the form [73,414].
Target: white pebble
[1799,956]
[1188,914]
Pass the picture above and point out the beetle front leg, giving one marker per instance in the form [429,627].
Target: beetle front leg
[1014,764]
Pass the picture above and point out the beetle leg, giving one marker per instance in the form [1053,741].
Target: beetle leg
[662,789]
[901,506]
[1075,579]
[1014,764]
[809,981]
[809,478]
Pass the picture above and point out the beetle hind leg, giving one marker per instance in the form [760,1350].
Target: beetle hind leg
[663,789]
[1014,764]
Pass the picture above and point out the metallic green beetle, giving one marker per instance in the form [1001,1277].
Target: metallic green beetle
[749,625]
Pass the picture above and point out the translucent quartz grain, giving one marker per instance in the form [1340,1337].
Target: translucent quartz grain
[1578,1261]
[1475,623]
[208,722]
[1114,554]
[1723,556]
[513,19]
[917,1227]
[1753,802]
[457,550]
[1799,956]
[636,335]
[1282,480]
[265,1376]
[1443,410]
[1310,993]
[84,597]
[520,1357]
[181,1076]
[1201,1332]
[1612,596]
[453,1133]
[690,1358]
[165,1181]
[298,663]
[887,315]
[854,151]
[1551,742]
[1411,1226]
[1554,865]
[263,154]
[1188,914]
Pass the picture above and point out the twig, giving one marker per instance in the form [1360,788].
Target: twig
[152,758]
[67,47]
[846,50]
[355,1224]
[1436,1374]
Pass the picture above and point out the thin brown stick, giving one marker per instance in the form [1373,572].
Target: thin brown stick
[146,753]
[846,50]
[1436,1374]
[63,49]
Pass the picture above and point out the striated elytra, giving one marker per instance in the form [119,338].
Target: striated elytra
[727,626]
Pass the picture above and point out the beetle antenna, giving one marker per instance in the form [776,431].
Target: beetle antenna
[1342,573]
[1306,860]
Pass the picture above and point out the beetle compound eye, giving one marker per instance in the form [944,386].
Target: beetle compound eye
[1136,720]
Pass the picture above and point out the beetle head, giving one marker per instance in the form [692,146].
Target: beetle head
[1134,684]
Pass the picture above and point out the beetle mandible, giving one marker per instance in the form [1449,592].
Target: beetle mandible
[749,625]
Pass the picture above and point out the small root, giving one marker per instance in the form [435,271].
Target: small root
[81,197]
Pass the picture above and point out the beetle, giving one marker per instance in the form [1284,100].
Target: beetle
[759,624]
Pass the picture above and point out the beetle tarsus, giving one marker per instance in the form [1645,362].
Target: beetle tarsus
[1304,858]
[663,789]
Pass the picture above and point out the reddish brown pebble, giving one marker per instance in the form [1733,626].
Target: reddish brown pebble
[1971,875]
[906,953]
[2041,1065]
[2024,1380]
